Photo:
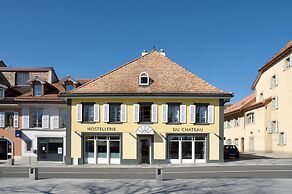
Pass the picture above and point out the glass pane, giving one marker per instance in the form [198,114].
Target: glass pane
[187,138]
[186,150]
[89,148]
[88,112]
[9,119]
[201,114]
[145,112]
[173,150]
[102,137]
[22,78]
[199,150]
[115,137]
[115,112]
[114,149]
[173,113]
[101,149]
[200,138]
[69,87]
[37,89]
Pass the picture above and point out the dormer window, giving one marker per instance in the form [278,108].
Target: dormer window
[37,89]
[2,92]
[144,79]
[69,86]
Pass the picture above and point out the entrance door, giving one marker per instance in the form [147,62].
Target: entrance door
[3,150]
[251,144]
[145,151]
[242,144]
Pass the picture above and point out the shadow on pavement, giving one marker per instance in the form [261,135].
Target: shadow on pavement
[243,157]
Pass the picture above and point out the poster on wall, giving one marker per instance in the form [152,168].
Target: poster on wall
[60,150]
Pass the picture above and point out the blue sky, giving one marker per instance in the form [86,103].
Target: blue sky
[224,42]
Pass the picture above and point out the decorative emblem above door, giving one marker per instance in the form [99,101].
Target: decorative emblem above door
[145,130]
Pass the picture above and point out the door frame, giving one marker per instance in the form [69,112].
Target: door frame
[139,153]
[11,154]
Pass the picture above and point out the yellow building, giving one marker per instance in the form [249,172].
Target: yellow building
[261,121]
[150,110]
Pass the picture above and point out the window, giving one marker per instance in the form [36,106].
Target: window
[236,122]
[69,86]
[287,63]
[9,119]
[236,142]
[145,112]
[22,78]
[37,89]
[274,126]
[250,118]
[36,118]
[282,138]
[274,81]
[114,113]
[144,79]
[88,112]
[201,113]
[2,92]
[63,118]
[275,102]
[173,113]
[261,96]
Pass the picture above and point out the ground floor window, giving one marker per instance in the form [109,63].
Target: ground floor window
[186,149]
[50,149]
[102,149]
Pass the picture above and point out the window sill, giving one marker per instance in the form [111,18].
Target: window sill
[88,122]
[201,123]
[115,122]
[146,123]
[174,123]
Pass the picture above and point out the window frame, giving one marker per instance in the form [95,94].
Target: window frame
[201,105]
[16,78]
[37,83]
[144,75]
[69,83]
[140,112]
[168,112]
[38,123]
[83,112]
[116,104]
[247,118]
[2,93]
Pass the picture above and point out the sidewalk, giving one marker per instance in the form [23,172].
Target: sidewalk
[245,160]
[18,185]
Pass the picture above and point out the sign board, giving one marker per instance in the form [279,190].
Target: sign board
[17,133]
[60,150]
[188,129]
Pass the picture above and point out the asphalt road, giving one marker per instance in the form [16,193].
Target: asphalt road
[265,172]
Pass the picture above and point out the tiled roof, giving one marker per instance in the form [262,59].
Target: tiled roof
[241,104]
[284,51]
[166,77]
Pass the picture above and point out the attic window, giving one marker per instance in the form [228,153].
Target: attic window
[144,79]
[69,86]
[37,89]
[2,92]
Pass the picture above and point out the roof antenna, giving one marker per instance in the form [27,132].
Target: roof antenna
[154,48]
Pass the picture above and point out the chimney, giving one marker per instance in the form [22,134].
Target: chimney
[144,52]
[162,52]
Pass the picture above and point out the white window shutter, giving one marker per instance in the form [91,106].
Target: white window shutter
[192,113]
[164,113]
[276,80]
[136,113]
[96,112]
[234,122]
[238,121]
[46,119]
[15,120]
[276,127]
[123,113]
[56,118]
[270,128]
[154,113]
[106,113]
[278,138]
[276,102]
[25,118]
[79,112]
[183,113]
[211,114]
[284,138]
[2,119]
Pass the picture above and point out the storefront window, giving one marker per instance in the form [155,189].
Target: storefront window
[88,112]
[114,149]
[200,143]
[173,149]
[173,113]
[101,149]
[187,147]
[115,113]
[89,148]
[201,113]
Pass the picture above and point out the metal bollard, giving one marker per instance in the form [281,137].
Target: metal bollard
[159,174]
[11,162]
[33,173]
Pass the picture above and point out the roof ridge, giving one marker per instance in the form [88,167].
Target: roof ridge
[115,69]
